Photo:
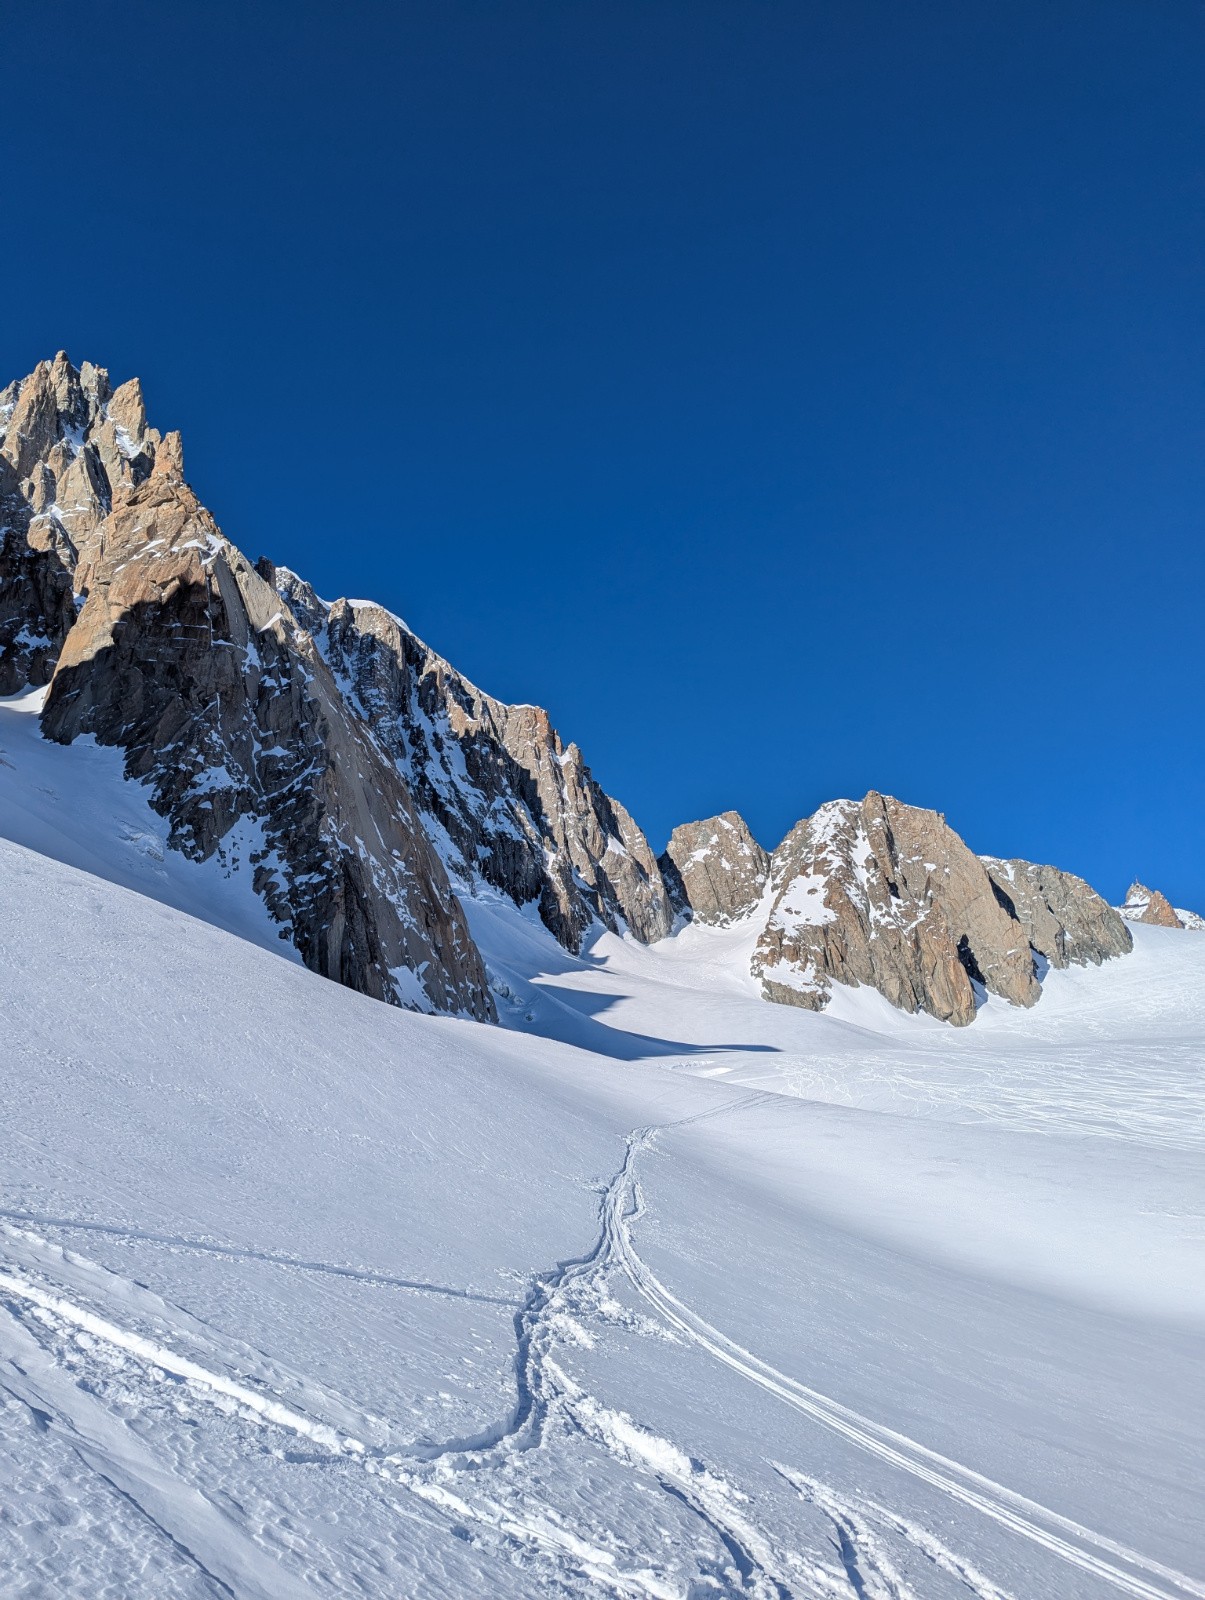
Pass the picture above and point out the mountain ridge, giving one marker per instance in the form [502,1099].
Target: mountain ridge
[387,787]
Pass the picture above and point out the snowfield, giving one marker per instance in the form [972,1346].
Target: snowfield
[657,1291]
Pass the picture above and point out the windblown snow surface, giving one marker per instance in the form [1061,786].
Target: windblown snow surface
[659,1291]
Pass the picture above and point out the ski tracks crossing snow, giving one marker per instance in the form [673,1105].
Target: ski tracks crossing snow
[1130,1572]
[478,1482]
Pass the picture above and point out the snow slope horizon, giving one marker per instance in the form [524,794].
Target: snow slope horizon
[351,1218]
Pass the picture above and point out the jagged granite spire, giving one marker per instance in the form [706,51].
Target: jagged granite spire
[158,637]
[68,441]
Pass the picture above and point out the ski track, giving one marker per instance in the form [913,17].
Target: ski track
[1004,1506]
[850,1517]
[185,1245]
[203,1535]
[466,1480]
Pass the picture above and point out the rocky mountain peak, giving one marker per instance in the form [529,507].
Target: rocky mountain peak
[367,788]
[1149,906]
[1064,918]
[169,458]
[159,638]
[715,869]
[508,804]
[68,445]
[881,893]
[127,409]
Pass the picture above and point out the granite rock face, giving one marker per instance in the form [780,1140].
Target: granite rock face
[506,802]
[364,784]
[67,442]
[715,870]
[185,659]
[1149,906]
[1064,919]
[877,892]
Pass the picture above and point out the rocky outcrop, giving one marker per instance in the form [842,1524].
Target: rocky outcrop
[506,802]
[367,761]
[1065,920]
[67,441]
[184,658]
[159,638]
[715,870]
[1149,906]
[877,892]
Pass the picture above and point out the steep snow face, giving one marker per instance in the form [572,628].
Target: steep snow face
[300,1294]
[508,804]
[76,805]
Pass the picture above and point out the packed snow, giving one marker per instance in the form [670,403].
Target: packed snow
[656,1291]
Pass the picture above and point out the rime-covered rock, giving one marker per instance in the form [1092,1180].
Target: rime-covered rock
[877,892]
[715,869]
[506,802]
[1064,918]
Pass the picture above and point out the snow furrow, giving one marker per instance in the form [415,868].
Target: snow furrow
[852,1516]
[85,1283]
[429,1472]
[545,1391]
[710,1498]
[271,1258]
[111,1450]
[192,1372]
[463,1480]
[202,1534]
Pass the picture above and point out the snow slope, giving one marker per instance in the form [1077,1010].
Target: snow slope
[74,803]
[691,1000]
[300,1294]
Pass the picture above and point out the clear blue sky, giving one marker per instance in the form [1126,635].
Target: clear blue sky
[796,398]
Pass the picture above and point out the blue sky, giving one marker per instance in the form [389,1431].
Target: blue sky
[795,398]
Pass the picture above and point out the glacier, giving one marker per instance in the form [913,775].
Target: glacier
[654,1291]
